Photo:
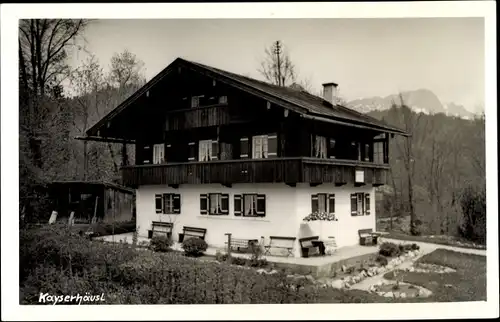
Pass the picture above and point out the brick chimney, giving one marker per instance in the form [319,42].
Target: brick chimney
[330,92]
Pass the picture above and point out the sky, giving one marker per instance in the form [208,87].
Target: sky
[366,57]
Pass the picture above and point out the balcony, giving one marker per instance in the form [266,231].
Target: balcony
[227,172]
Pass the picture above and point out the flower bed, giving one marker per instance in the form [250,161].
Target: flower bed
[315,216]
[348,281]
[399,290]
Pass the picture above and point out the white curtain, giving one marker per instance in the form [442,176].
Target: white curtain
[320,146]
[322,203]
[214,203]
[205,150]
[250,204]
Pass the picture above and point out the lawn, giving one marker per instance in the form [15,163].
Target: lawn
[441,240]
[468,283]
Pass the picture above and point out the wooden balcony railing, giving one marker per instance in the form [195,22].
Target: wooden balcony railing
[287,170]
[197,117]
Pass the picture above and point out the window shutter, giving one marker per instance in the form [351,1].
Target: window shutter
[313,145]
[168,152]
[272,145]
[314,203]
[192,151]
[159,204]
[224,203]
[331,204]
[354,205]
[177,204]
[367,203]
[367,152]
[147,155]
[237,205]
[331,148]
[261,205]
[203,204]
[244,147]
[215,150]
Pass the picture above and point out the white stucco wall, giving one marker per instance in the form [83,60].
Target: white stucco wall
[285,208]
[345,230]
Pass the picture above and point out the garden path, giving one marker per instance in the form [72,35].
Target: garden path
[425,248]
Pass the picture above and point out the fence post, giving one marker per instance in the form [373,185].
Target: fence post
[228,247]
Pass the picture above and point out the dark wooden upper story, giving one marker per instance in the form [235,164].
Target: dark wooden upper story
[197,124]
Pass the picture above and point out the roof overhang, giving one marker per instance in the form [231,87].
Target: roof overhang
[104,139]
[362,126]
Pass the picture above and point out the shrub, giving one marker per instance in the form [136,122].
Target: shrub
[382,260]
[220,257]
[122,227]
[389,250]
[415,247]
[194,246]
[161,244]
[256,259]
[238,261]
[57,261]
[473,204]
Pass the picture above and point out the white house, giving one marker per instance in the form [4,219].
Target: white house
[230,154]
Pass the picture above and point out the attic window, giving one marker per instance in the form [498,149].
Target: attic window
[223,100]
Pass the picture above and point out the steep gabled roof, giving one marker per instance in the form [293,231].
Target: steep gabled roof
[297,100]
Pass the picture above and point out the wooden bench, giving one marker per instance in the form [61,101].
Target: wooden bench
[367,237]
[280,242]
[159,228]
[242,244]
[308,243]
[190,232]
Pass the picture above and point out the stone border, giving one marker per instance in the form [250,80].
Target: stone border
[348,281]
[430,268]
[422,291]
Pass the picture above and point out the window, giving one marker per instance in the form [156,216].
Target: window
[319,147]
[331,149]
[168,203]
[250,205]
[214,204]
[367,152]
[205,150]
[259,147]
[223,100]
[323,202]
[378,152]
[158,153]
[360,204]
[264,146]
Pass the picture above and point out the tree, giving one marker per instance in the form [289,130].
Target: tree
[95,94]
[43,47]
[410,123]
[277,67]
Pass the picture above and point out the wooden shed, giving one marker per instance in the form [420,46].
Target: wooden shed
[108,202]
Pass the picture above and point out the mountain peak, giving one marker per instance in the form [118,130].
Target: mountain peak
[421,100]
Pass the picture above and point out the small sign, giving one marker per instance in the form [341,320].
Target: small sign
[360,176]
